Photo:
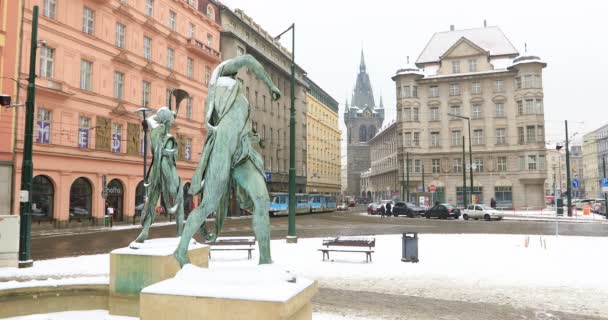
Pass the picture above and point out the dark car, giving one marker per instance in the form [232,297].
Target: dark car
[443,211]
[407,209]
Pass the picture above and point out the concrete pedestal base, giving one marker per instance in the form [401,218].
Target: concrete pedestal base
[261,292]
[131,270]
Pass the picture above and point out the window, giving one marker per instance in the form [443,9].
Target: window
[478,164]
[436,165]
[456,137]
[500,110]
[43,126]
[472,65]
[240,51]
[522,163]
[501,136]
[49,8]
[532,162]
[477,111]
[499,85]
[88,20]
[539,106]
[210,12]
[415,91]
[149,7]
[86,69]
[406,92]
[502,164]
[416,140]
[119,78]
[518,83]
[537,81]
[541,162]
[454,89]
[455,110]
[147,48]
[407,139]
[520,135]
[83,132]
[434,91]
[475,87]
[188,149]
[116,137]
[146,89]
[47,62]
[190,68]
[208,77]
[209,40]
[455,66]
[503,196]
[170,58]
[531,134]
[520,107]
[528,81]
[192,3]
[417,166]
[529,106]
[191,30]
[478,137]
[407,114]
[120,35]
[434,139]
[172,18]
[435,115]
[457,165]
[416,114]
[541,133]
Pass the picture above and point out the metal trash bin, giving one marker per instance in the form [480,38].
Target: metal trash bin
[409,247]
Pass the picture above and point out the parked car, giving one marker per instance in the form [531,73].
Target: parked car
[342,206]
[480,211]
[599,207]
[582,202]
[352,203]
[407,209]
[373,207]
[443,211]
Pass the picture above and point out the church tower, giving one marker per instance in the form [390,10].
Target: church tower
[363,119]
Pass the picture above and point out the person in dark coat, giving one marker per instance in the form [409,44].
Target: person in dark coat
[388,209]
[493,203]
[382,210]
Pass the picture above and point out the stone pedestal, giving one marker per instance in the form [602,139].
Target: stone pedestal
[132,269]
[260,292]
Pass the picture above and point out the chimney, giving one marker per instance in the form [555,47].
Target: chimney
[485,23]
[451,27]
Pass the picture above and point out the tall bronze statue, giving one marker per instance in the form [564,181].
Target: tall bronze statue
[162,178]
[229,159]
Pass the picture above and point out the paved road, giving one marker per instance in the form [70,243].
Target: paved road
[312,225]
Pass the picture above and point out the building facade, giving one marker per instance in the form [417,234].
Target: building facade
[382,181]
[323,142]
[474,73]
[362,119]
[270,119]
[10,39]
[556,167]
[102,61]
[595,153]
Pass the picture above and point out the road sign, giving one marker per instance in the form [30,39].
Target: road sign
[432,188]
[605,185]
[575,184]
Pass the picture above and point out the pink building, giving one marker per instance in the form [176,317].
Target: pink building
[103,60]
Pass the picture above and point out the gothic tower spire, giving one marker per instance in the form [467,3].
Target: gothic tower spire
[362,67]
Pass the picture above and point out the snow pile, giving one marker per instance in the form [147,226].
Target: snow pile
[156,247]
[83,266]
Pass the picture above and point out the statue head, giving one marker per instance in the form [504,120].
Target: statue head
[165,116]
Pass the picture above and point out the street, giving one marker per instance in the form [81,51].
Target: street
[353,222]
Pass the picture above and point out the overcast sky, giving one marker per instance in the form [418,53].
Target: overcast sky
[572,37]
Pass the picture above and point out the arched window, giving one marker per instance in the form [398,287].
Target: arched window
[363,134]
[115,199]
[210,12]
[80,199]
[42,198]
[371,131]
[140,196]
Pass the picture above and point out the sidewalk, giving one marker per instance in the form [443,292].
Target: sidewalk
[549,215]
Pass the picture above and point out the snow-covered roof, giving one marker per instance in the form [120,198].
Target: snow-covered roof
[527,59]
[409,69]
[491,39]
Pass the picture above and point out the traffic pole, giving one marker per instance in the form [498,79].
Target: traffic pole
[464,175]
[568,181]
[605,193]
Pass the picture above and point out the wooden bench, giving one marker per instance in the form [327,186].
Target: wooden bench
[233,244]
[352,242]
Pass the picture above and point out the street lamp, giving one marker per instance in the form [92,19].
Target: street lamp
[291,229]
[470,150]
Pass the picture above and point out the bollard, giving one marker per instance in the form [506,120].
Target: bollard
[409,247]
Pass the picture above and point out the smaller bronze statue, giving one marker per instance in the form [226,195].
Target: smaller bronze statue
[162,180]
[229,159]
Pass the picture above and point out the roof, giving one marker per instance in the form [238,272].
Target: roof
[491,39]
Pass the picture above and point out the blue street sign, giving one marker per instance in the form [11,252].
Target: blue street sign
[605,182]
[575,184]
[268,176]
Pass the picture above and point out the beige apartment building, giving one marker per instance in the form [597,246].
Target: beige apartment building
[241,35]
[381,181]
[556,166]
[323,142]
[595,152]
[474,73]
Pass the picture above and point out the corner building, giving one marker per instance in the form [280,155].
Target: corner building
[104,60]
[475,73]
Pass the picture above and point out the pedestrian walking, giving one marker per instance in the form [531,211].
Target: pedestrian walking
[493,203]
[382,211]
[110,214]
[389,208]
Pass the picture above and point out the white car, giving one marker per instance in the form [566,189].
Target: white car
[480,211]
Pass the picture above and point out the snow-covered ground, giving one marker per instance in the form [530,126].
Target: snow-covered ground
[561,274]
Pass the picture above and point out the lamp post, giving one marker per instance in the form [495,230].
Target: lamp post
[470,151]
[27,166]
[464,176]
[568,180]
[291,229]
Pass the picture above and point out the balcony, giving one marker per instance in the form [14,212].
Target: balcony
[53,87]
[204,50]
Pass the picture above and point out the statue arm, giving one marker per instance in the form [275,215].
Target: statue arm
[247,61]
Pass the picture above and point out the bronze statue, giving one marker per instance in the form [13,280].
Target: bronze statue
[229,159]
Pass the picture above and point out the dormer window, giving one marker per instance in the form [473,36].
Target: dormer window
[456,66]
[472,65]
[210,12]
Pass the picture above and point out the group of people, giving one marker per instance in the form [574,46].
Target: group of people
[386,210]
